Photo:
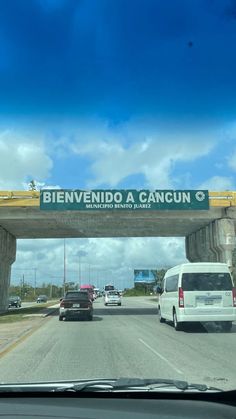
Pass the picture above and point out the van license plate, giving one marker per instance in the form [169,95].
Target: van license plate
[209,301]
[76,305]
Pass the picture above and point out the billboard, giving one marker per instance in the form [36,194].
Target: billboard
[144,276]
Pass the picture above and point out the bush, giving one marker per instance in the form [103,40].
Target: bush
[134,292]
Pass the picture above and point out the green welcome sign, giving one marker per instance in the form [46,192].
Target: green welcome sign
[130,199]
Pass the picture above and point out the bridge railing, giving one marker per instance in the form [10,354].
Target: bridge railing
[31,199]
[222,199]
[19,198]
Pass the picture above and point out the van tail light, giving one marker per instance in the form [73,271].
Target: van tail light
[62,303]
[234,296]
[181,297]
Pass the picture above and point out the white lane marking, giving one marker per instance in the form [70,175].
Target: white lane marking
[161,357]
[144,302]
[150,304]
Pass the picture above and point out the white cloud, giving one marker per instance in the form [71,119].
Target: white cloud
[44,186]
[218,183]
[41,185]
[102,260]
[232,161]
[230,136]
[22,158]
[152,154]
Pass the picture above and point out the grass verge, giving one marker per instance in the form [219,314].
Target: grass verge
[15,315]
[136,293]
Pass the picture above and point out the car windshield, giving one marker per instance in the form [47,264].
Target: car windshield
[118,168]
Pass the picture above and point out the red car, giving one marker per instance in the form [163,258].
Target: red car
[89,289]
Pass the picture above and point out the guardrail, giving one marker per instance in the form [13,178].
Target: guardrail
[222,199]
[31,199]
[19,198]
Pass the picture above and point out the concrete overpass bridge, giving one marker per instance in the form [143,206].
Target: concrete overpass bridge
[209,233]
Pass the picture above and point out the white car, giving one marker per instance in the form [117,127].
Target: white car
[198,292]
[112,297]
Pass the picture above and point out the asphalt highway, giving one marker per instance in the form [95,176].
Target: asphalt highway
[126,341]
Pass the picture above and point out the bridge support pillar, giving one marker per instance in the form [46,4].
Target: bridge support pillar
[7,257]
[213,243]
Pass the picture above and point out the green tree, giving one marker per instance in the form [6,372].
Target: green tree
[32,186]
[160,276]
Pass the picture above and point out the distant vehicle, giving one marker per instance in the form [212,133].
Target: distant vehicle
[112,297]
[42,299]
[109,287]
[76,304]
[14,301]
[198,292]
[90,289]
[98,292]
[94,295]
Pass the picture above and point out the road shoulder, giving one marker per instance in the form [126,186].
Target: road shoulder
[11,334]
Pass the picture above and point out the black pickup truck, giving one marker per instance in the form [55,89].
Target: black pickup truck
[76,304]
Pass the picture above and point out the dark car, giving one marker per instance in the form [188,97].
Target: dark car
[76,304]
[42,299]
[14,301]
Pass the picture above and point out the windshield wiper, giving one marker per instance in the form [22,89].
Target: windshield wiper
[134,384]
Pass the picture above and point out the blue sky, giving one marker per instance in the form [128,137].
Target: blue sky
[121,94]
[118,59]
[120,72]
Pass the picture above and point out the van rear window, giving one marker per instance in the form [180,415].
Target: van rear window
[198,281]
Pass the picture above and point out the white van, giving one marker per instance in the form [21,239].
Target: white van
[198,292]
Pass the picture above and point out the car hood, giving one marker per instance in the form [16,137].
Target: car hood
[109,385]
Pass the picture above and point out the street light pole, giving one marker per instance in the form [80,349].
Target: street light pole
[23,286]
[35,270]
[64,277]
[79,270]
[80,255]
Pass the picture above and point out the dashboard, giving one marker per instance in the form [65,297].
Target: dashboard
[91,407]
